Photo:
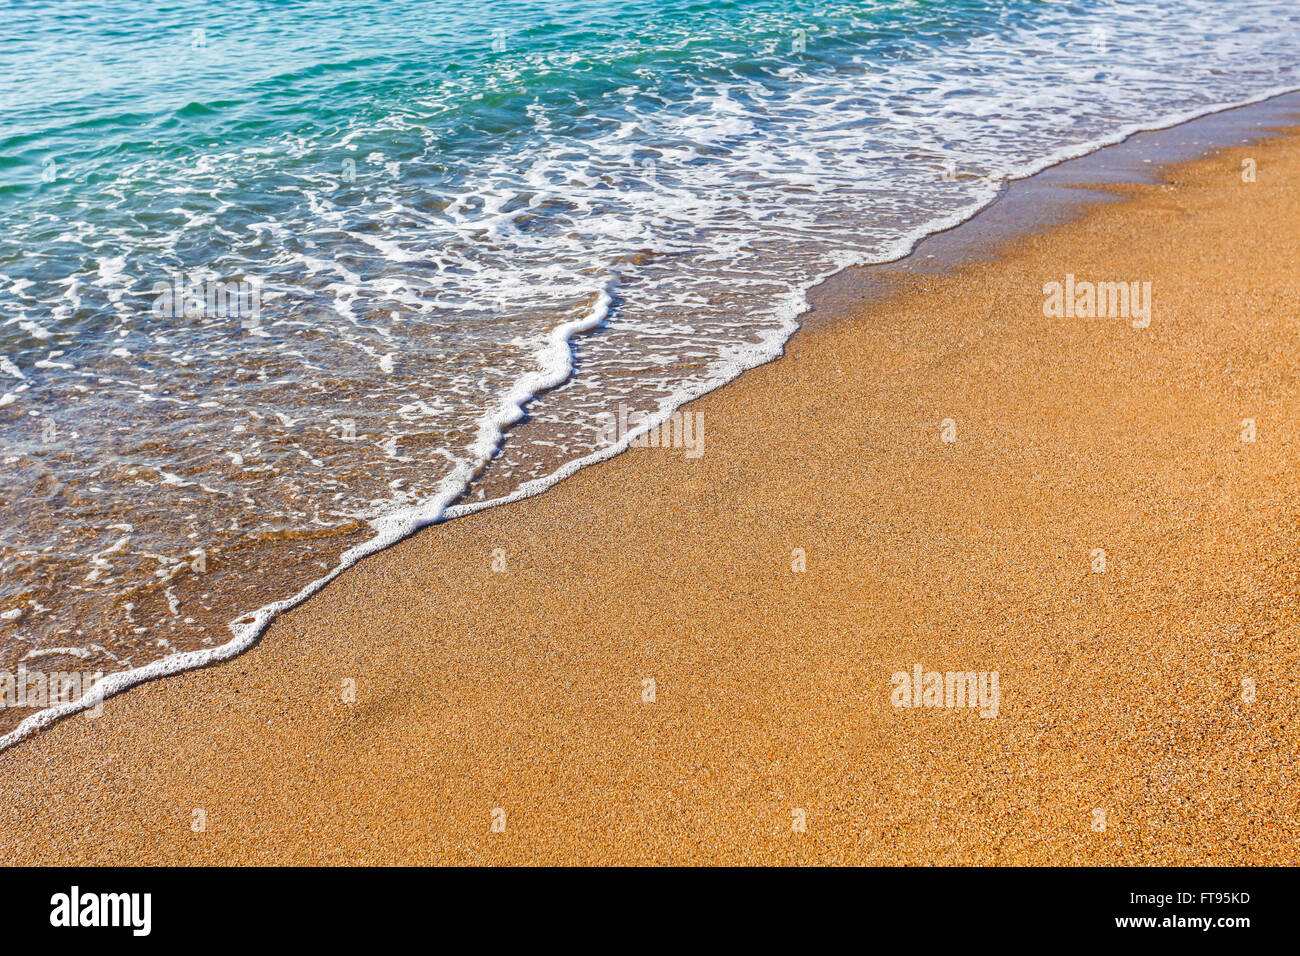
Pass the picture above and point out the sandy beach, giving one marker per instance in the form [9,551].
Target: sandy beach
[690,659]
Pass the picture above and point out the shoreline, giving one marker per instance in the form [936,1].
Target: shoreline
[536,709]
[1014,213]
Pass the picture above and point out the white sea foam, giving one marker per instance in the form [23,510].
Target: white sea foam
[554,366]
[410,312]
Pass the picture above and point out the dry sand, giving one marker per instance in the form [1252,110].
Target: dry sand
[1121,693]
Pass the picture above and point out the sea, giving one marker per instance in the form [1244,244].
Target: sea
[283,282]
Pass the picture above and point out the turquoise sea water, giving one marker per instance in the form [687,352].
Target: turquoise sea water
[279,280]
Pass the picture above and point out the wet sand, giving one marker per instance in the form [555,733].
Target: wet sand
[1147,712]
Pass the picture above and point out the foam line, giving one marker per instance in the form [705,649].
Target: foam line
[555,360]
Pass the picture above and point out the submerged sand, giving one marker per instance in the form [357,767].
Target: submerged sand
[1147,712]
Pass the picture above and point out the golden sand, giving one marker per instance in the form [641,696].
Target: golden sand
[1148,712]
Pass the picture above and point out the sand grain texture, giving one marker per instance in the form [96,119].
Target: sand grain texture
[521,690]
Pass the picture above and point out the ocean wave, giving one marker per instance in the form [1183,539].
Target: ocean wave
[293,327]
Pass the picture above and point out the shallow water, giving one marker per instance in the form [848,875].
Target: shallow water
[277,281]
